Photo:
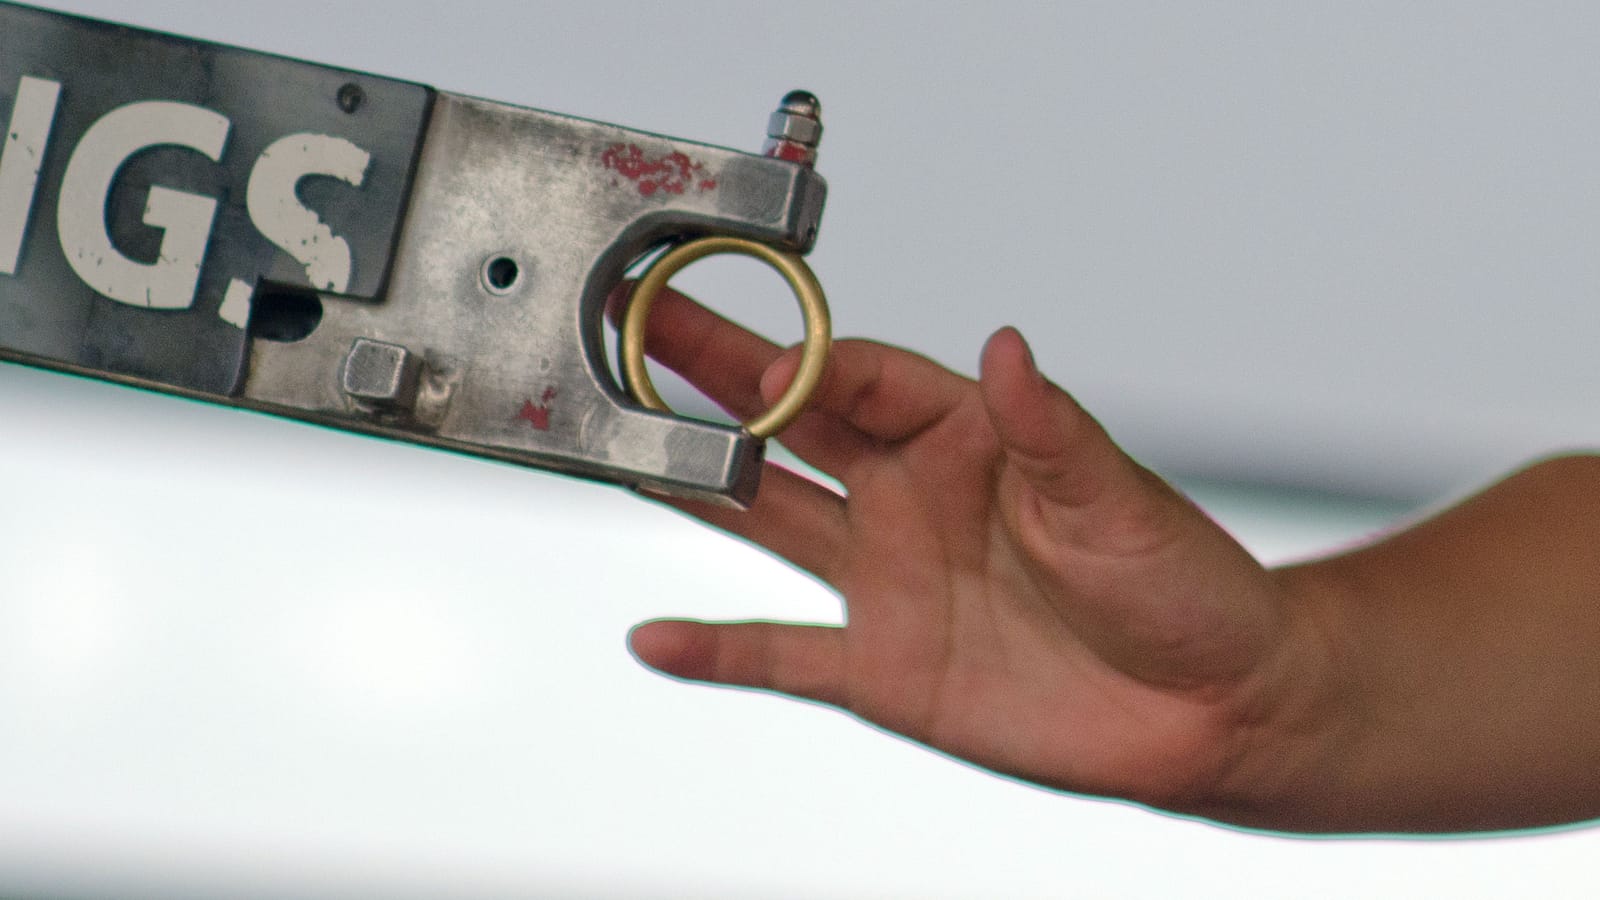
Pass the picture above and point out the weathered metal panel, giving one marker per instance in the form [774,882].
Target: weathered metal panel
[47,309]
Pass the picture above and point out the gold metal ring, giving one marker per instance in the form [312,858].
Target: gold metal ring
[813,306]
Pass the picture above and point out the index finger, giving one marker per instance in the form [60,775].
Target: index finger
[721,358]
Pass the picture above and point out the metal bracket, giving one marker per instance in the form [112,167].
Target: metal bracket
[469,318]
[520,224]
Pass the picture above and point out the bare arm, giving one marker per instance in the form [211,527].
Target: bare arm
[1023,595]
[1468,665]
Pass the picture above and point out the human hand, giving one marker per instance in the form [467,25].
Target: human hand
[1019,592]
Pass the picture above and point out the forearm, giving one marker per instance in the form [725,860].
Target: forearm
[1456,683]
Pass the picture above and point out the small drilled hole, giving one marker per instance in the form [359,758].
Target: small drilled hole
[350,97]
[500,274]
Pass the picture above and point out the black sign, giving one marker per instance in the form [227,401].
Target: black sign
[149,184]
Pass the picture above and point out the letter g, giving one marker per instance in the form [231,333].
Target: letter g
[169,282]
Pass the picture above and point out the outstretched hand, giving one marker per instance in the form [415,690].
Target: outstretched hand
[1019,592]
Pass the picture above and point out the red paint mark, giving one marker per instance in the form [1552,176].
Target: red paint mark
[789,151]
[674,173]
[538,416]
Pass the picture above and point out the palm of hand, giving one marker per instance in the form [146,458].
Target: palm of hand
[1019,593]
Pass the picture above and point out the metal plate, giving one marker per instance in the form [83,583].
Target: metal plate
[320,244]
[140,98]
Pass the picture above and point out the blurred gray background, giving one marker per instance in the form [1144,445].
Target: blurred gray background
[1321,262]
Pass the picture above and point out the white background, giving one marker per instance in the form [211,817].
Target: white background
[1333,246]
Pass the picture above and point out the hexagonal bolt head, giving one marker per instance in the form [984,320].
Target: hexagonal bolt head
[381,376]
[795,129]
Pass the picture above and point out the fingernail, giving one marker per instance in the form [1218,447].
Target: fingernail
[775,380]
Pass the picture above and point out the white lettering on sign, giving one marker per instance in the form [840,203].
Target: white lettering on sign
[169,282]
[278,214]
[32,114]
[235,308]
[185,219]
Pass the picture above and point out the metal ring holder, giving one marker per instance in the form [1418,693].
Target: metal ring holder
[813,306]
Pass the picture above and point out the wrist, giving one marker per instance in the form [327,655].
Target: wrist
[1298,722]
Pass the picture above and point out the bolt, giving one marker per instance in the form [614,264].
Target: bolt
[379,376]
[795,129]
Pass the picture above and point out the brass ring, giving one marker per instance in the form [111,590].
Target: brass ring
[813,306]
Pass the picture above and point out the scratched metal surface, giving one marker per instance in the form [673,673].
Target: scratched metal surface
[514,370]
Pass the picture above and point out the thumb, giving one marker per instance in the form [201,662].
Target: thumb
[1182,603]
[1060,449]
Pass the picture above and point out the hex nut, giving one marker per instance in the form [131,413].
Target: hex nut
[783,125]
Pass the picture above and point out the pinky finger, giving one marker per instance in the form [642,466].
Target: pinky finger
[800,660]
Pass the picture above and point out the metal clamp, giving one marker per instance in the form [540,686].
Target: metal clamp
[813,306]
[372,255]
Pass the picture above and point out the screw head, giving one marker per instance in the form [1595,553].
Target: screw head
[380,375]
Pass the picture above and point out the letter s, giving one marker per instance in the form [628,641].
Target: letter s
[278,215]
[169,282]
